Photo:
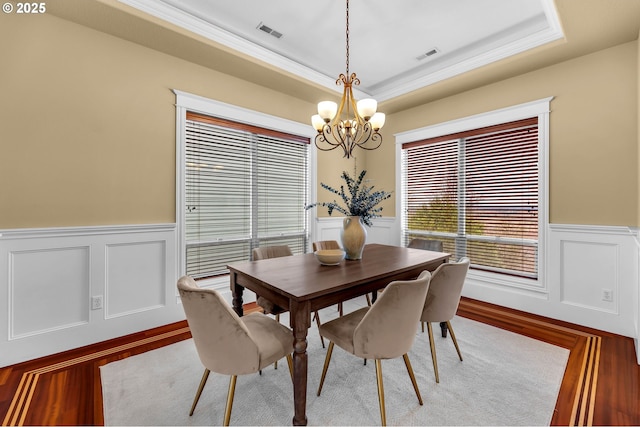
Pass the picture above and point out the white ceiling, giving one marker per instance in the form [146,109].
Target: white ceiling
[386,38]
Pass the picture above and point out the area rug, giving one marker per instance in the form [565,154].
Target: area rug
[505,379]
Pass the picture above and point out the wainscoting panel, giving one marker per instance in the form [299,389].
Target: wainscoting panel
[135,278]
[48,280]
[591,279]
[588,270]
[593,271]
[65,288]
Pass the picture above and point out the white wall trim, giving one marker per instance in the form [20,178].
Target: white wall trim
[548,25]
[581,261]
[195,103]
[48,277]
[28,233]
[45,257]
[538,108]
[503,115]
[198,26]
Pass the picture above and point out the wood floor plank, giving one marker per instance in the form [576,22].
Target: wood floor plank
[600,385]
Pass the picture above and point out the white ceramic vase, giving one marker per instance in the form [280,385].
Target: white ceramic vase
[353,236]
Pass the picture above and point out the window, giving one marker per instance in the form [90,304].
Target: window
[479,190]
[245,187]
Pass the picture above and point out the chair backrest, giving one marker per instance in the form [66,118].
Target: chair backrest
[426,244]
[325,244]
[267,252]
[445,289]
[388,330]
[222,340]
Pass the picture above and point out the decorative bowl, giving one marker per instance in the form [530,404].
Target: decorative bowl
[329,256]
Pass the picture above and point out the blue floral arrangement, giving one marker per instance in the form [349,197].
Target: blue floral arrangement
[360,200]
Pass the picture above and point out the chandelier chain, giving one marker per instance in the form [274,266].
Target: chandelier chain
[347,33]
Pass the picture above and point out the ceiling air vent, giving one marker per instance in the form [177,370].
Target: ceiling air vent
[428,54]
[269,30]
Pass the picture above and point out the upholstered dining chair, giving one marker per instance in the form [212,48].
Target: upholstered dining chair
[442,301]
[426,244]
[228,344]
[385,330]
[267,252]
[268,306]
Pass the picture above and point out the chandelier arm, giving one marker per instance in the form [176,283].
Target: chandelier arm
[354,106]
[347,85]
[328,136]
[371,136]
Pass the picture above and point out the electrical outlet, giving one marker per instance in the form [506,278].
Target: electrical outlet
[96,302]
[607,295]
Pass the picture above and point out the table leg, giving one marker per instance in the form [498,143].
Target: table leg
[300,315]
[236,292]
[444,329]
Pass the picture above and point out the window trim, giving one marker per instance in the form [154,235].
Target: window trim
[541,109]
[197,104]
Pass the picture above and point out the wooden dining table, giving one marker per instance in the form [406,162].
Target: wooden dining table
[303,285]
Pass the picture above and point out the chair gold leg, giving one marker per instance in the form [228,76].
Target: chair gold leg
[433,351]
[327,359]
[407,363]
[422,327]
[368,299]
[383,415]
[203,381]
[317,317]
[232,391]
[455,341]
[290,363]
[340,309]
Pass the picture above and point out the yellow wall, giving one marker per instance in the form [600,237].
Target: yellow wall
[638,135]
[593,133]
[87,134]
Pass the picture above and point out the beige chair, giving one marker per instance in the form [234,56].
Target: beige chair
[267,252]
[268,306]
[426,244]
[228,344]
[332,244]
[442,301]
[385,330]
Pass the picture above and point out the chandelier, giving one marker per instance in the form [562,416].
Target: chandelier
[349,124]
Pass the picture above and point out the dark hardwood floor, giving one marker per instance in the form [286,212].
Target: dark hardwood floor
[600,385]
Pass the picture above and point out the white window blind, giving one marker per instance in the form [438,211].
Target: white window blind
[477,192]
[245,187]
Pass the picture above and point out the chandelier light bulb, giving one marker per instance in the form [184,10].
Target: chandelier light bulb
[327,110]
[377,121]
[367,108]
[317,122]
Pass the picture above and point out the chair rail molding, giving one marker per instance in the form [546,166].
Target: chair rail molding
[63,288]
